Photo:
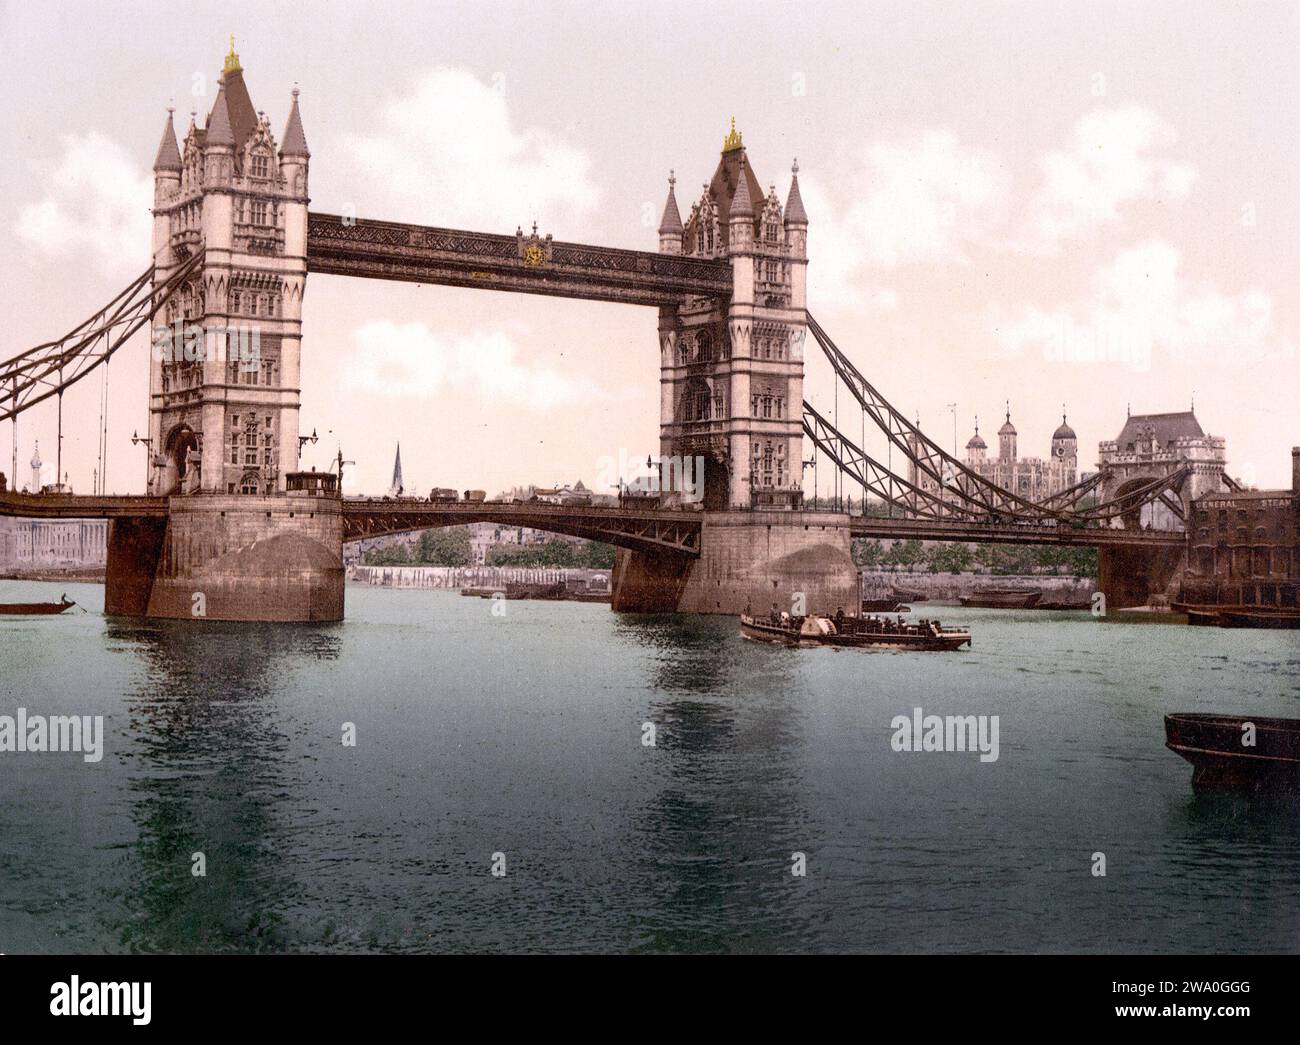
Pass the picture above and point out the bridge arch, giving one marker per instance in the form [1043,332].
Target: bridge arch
[181,440]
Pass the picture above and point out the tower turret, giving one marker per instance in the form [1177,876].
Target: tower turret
[167,168]
[1007,439]
[796,238]
[1065,445]
[740,219]
[670,225]
[976,446]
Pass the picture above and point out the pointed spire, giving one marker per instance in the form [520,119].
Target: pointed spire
[218,130]
[397,486]
[169,156]
[742,206]
[294,141]
[672,219]
[794,212]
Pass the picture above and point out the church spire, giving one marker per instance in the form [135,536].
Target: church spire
[396,489]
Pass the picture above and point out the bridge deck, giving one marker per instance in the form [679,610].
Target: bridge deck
[62,506]
[644,529]
[1012,533]
[420,254]
[648,529]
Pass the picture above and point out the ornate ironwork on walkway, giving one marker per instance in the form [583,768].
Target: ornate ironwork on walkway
[526,264]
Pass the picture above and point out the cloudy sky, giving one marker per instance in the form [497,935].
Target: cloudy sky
[1092,204]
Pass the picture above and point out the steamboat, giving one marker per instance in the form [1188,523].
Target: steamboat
[881,632]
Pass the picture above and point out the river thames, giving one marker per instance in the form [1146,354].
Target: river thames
[522,735]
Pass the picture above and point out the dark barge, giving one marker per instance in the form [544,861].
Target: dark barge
[1237,752]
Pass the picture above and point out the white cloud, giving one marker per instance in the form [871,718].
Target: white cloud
[922,200]
[409,361]
[97,201]
[1141,304]
[447,154]
[1108,162]
[926,199]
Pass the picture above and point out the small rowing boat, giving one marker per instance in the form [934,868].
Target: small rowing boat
[35,609]
[1002,598]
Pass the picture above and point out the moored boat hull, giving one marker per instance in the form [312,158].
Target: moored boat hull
[1223,758]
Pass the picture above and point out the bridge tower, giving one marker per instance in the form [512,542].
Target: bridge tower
[731,393]
[242,539]
[731,372]
[224,379]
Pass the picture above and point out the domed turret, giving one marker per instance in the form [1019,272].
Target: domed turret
[1007,439]
[976,446]
[1065,444]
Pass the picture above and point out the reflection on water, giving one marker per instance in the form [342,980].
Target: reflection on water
[210,773]
[523,735]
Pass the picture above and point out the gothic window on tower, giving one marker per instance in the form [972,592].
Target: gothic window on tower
[235,301]
[259,212]
[259,165]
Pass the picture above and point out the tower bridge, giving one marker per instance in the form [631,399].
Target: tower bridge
[228,515]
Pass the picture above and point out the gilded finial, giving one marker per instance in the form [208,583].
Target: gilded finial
[232,59]
[672,179]
[732,141]
[794,167]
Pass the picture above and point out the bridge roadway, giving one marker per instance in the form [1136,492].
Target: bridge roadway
[1013,533]
[644,529]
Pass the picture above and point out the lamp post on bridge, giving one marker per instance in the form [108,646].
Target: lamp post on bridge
[304,439]
[137,439]
[340,463]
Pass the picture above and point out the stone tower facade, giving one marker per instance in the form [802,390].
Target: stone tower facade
[224,380]
[731,372]
[1153,445]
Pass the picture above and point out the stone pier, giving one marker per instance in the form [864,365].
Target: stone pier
[746,558]
[218,557]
